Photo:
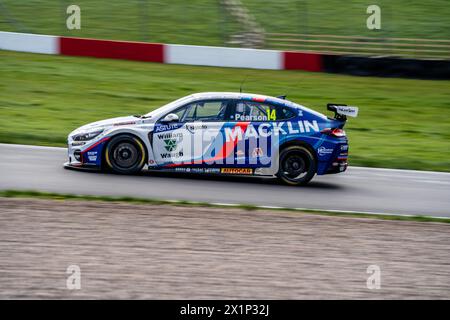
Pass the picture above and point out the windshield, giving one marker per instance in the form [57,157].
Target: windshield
[168,105]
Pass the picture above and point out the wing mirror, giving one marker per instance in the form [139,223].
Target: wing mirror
[171,117]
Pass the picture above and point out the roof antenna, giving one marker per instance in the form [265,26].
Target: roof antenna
[242,83]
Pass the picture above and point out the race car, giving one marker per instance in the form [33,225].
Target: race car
[221,133]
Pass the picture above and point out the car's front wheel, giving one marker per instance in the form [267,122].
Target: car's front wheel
[125,154]
[297,165]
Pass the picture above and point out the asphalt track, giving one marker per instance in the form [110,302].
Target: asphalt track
[359,189]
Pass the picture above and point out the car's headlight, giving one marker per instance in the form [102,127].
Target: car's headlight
[86,136]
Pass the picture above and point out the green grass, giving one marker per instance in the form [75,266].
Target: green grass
[399,18]
[204,22]
[179,21]
[402,124]
[133,200]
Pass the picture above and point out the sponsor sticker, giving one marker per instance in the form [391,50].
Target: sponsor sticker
[174,155]
[322,151]
[125,123]
[236,170]
[92,155]
[198,170]
[167,127]
[171,140]
[257,152]
[196,126]
[271,129]
[170,144]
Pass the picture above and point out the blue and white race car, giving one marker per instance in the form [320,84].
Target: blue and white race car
[219,133]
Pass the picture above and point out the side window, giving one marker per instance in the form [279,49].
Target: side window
[207,111]
[180,112]
[284,113]
[254,111]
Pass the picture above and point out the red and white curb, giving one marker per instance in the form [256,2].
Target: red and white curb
[162,53]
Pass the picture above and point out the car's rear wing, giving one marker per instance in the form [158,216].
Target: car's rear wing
[342,111]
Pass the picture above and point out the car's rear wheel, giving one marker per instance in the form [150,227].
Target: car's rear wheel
[297,165]
[125,154]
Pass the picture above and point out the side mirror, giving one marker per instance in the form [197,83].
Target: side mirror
[171,117]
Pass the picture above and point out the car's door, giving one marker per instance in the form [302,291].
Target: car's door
[256,152]
[167,138]
[192,140]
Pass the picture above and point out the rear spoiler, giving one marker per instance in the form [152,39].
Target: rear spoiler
[342,111]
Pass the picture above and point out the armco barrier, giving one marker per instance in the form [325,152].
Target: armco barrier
[226,57]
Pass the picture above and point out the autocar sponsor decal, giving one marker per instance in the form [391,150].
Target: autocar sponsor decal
[236,170]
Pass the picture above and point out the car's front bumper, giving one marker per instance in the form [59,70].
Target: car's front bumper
[86,154]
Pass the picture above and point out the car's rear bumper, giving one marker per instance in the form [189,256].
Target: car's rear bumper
[337,166]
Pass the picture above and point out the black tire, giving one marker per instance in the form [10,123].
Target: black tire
[297,165]
[125,154]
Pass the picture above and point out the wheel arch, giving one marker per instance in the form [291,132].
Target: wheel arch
[300,143]
[310,172]
[104,163]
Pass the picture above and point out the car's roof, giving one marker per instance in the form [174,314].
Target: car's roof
[239,95]
[253,96]
[243,95]
[233,95]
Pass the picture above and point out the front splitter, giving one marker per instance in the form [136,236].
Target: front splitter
[80,167]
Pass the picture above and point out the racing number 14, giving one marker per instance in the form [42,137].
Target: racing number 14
[271,115]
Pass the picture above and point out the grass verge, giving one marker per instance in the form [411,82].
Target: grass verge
[133,200]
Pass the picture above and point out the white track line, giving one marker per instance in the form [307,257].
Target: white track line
[26,146]
[309,210]
[399,170]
